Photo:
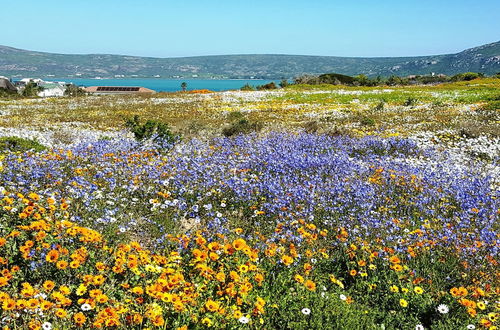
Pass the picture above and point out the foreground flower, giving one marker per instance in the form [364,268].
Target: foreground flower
[244,320]
[443,309]
[306,311]
[403,303]
[86,307]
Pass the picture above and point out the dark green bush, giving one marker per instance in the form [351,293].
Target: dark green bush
[411,101]
[466,76]
[17,144]
[150,130]
[271,85]
[242,126]
[367,121]
[247,87]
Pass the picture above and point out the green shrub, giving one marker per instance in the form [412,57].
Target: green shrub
[284,83]
[411,101]
[336,79]
[151,129]
[311,126]
[235,115]
[379,107]
[466,76]
[271,85]
[247,87]
[17,144]
[367,121]
[242,126]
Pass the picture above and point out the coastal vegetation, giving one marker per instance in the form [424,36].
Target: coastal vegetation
[303,207]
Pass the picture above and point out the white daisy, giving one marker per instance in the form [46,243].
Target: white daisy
[47,326]
[419,327]
[443,309]
[243,320]
[343,297]
[86,307]
[306,311]
[471,327]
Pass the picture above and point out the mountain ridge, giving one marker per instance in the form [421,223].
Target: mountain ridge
[16,62]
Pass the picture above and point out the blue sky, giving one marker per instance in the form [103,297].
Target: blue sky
[189,28]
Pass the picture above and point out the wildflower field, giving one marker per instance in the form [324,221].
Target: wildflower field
[351,208]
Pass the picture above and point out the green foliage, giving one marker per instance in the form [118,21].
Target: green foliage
[379,107]
[467,76]
[335,79]
[241,126]
[17,144]
[151,129]
[411,101]
[284,83]
[4,93]
[235,115]
[367,121]
[247,87]
[74,91]
[271,85]
[311,126]
[31,89]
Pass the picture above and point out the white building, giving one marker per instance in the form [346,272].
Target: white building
[52,90]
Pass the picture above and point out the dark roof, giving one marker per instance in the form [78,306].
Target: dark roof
[117,89]
[6,84]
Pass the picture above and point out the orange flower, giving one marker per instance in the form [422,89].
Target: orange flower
[98,280]
[102,298]
[79,319]
[239,244]
[310,285]
[395,260]
[52,256]
[62,264]
[48,285]
[353,272]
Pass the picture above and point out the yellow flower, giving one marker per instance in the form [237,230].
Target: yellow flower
[206,321]
[287,260]
[81,290]
[394,288]
[212,306]
[418,290]
[299,278]
[61,313]
[403,303]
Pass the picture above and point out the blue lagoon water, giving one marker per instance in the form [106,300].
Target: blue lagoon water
[167,85]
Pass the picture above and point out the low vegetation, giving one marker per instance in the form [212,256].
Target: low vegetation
[303,207]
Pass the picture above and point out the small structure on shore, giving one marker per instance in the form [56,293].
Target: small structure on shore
[51,90]
[114,90]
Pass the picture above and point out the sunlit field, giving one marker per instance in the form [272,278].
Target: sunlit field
[338,208]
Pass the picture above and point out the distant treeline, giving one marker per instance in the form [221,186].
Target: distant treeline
[363,80]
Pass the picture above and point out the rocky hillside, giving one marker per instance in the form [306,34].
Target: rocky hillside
[23,63]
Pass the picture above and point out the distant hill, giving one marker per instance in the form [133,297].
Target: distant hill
[23,63]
